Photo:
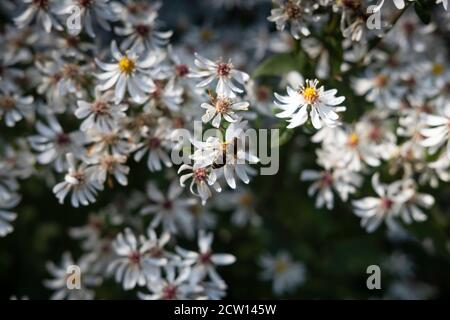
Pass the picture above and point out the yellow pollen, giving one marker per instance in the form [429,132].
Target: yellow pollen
[222,105]
[126,65]
[437,69]
[280,266]
[246,200]
[353,139]
[310,94]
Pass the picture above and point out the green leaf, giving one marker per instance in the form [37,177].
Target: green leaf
[423,11]
[280,64]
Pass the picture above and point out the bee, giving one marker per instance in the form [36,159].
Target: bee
[218,165]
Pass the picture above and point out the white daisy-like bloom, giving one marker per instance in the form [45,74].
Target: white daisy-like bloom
[59,282]
[106,165]
[444,3]
[101,114]
[212,291]
[399,4]
[130,267]
[242,203]
[169,95]
[204,262]
[172,286]
[437,130]
[286,275]
[412,208]
[344,181]
[171,210]
[156,143]
[202,180]
[222,107]
[14,107]
[354,149]
[142,35]
[294,12]
[136,10]
[224,72]
[6,216]
[80,182]
[386,207]
[129,73]
[42,11]
[117,142]
[382,89]
[322,106]
[52,143]
[90,11]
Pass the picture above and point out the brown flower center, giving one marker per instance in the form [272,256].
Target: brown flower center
[223,69]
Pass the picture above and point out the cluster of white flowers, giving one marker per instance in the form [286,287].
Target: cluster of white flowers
[405,134]
[304,15]
[82,107]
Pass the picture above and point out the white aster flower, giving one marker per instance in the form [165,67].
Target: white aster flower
[42,11]
[412,208]
[6,217]
[156,143]
[374,210]
[295,12]
[170,210]
[242,203]
[202,179]
[61,274]
[142,35]
[222,107]
[204,262]
[172,287]
[285,274]
[80,182]
[52,143]
[131,265]
[105,165]
[90,11]
[437,132]
[343,181]
[14,107]
[322,106]
[129,73]
[101,114]
[224,72]
[444,3]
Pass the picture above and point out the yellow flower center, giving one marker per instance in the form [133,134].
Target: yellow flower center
[126,65]
[310,94]
[437,69]
[280,266]
[246,200]
[353,140]
[223,105]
